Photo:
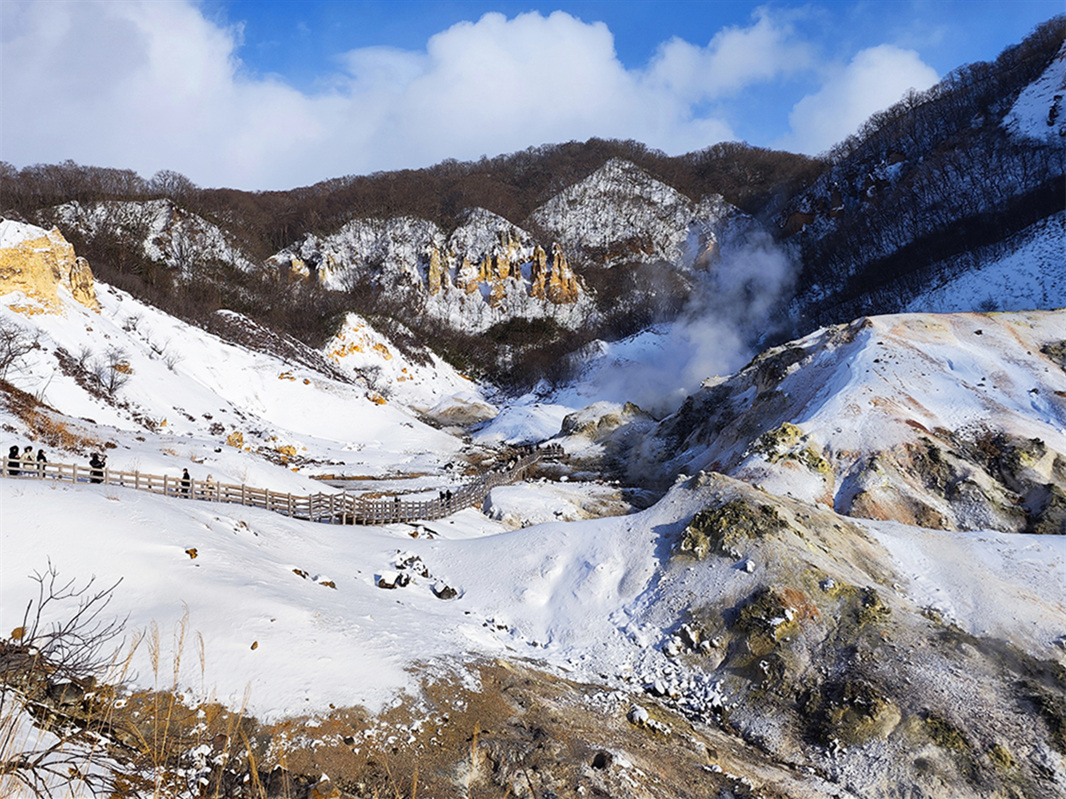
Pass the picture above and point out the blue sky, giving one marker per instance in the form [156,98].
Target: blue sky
[276,94]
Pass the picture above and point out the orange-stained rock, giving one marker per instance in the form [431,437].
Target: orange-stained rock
[435,271]
[467,277]
[562,284]
[538,273]
[39,266]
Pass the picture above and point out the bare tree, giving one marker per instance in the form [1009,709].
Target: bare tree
[113,371]
[49,667]
[171,184]
[15,344]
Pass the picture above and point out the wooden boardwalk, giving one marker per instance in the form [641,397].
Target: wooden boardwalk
[329,508]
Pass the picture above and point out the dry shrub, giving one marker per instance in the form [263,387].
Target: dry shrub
[42,424]
[58,435]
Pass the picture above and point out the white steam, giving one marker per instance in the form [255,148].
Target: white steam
[735,304]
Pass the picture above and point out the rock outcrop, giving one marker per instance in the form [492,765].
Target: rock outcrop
[482,273]
[37,263]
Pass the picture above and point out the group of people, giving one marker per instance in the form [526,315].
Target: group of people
[25,462]
[17,461]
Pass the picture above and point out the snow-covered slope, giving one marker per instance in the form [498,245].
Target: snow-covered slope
[615,602]
[947,421]
[1040,111]
[1026,271]
[171,395]
[431,386]
[937,191]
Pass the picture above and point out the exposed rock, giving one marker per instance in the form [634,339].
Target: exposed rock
[37,263]
[444,591]
[392,579]
[435,272]
[538,273]
[461,411]
[725,528]
[562,285]
[466,279]
[850,712]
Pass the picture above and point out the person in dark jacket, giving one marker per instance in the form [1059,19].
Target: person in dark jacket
[96,467]
[13,460]
[186,482]
[41,461]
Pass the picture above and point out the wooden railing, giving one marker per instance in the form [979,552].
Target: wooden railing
[330,508]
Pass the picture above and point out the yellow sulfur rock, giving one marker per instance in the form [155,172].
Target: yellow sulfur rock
[38,267]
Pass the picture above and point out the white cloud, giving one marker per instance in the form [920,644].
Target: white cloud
[152,84]
[875,79]
[735,57]
[144,85]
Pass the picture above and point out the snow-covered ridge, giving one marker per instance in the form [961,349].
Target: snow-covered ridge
[431,386]
[620,213]
[891,417]
[1040,110]
[168,233]
[13,233]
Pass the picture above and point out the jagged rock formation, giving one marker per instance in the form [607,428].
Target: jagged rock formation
[485,271]
[621,214]
[38,263]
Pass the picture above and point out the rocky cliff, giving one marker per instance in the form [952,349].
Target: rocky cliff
[484,272]
[40,265]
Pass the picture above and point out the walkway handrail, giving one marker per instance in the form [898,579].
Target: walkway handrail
[330,508]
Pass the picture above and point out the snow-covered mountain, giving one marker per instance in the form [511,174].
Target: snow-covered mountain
[935,194]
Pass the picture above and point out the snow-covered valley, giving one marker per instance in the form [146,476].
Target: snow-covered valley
[817,644]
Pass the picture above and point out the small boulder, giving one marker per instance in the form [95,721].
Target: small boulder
[392,580]
[444,591]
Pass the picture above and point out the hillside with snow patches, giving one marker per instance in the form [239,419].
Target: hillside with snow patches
[620,214]
[791,607]
[167,234]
